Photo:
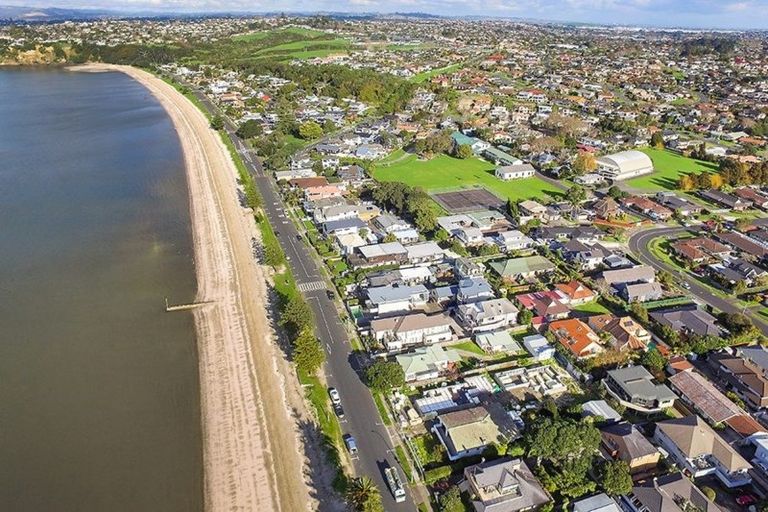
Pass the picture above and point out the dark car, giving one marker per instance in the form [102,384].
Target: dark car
[298,237]
[330,294]
[339,410]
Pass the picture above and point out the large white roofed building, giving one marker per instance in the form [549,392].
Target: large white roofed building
[624,165]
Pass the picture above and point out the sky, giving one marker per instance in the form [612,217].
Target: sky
[663,13]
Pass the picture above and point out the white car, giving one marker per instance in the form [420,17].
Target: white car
[335,397]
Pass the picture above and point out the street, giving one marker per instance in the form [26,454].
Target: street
[362,418]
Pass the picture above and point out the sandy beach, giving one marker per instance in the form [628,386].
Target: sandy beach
[253,457]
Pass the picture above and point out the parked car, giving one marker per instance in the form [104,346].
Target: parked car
[339,410]
[349,440]
[335,397]
[746,500]
[330,294]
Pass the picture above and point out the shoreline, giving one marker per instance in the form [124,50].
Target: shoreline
[251,455]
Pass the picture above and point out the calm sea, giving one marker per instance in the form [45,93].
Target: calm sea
[99,398]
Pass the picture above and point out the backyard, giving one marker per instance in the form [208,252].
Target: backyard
[443,173]
[668,167]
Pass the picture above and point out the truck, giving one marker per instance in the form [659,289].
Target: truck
[395,484]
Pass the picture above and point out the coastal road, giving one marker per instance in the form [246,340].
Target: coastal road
[639,246]
[343,368]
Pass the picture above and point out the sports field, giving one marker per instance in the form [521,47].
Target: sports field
[290,43]
[443,173]
[668,167]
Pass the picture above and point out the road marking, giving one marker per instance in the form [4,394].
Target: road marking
[312,286]
[328,346]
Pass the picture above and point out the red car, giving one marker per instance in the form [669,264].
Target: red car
[746,500]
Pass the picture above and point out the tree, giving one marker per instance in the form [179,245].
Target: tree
[737,323]
[653,360]
[363,495]
[249,129]
[616,478]
[616,193]
[639,311]
[217,123]
[488,250]
[525,316]
[585,162]
[385,375]
[310,130]
[451,500]
[561,439]
[296,315]
[657,140]
[576,195]
[463,151]
[308,354]
[273,255]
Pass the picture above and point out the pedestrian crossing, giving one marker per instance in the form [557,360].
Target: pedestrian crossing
[311,286]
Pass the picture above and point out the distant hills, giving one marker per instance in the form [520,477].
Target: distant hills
[13,13]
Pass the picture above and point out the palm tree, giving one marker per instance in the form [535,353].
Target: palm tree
[360,492]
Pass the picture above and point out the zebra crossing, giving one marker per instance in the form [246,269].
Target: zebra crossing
[312,286]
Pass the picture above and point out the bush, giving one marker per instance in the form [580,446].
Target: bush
[439,473]
[709,493]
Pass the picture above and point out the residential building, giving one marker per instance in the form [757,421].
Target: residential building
[393,299]
[727,200]
[575,293]
[636,389]
[577,337]
[699,393]
[410,330]
[679,205]
[636,274]
[515,269]
[497,342]
[424,252]
[742,376]
[668,493]
[473,289]
[640,292]
[468,432]
[700,250]
[538,346]
[698,449]
[427,363]
[626,333]
[487,315]
[513,240]
[514,172]
[548,305]
[503,485]
[688,320]
[624,442]
[598,503]
[539,381]
[601,411]
[390,253]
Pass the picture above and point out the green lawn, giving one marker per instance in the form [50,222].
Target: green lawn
[669,167]
[469,346]
[447,173]
[426,75]
[592,307]
[306,32]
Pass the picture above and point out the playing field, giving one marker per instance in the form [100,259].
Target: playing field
[290,43]
[444,173]
[423,77]
[668,167]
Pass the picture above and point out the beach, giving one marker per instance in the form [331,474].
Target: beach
[253,457]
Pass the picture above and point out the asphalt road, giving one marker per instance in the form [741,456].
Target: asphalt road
[375,449]
[638,245]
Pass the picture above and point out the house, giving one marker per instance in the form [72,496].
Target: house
[636,274]
[424,252]
[406,236]
[626,333]
[598,503]
[391,253]
[343,226]
[538,346]
[742,376]
[478,146]
[497,342]
[513,240]
[391,299]
[700,250]
[583,256]
[645,206]
[635,389]
[726,200]
[470,236]
[688,320]
[624,165]
[473,289]
[699,393]
[353,175]
[503,485]
[500,157]
[427,363]
[487,315]
[398,332]
[322,192]
[575,293]
[577,337]
[699,450]
[751,249]
[606,208]
[753,196]
[515,269]
[640,292]
[468,432]
[680,206]
[624,442]
[464,268]
[548,305]
[389,223]
[514,172]
[668,493]
[736,271]
[584,234]
[530,209]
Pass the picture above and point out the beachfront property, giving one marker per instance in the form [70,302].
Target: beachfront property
[468,432]
[398,332]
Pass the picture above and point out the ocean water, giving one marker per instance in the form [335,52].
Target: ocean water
[99,393]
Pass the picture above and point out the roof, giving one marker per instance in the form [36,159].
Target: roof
[599,503]
[575,290]
[491,477]
[627,161]
[409,323]
[688,318]
[627,440]
[694,438]
[757,354]
[638,383]
[498,339]
[387,294]
[424,359]
[525,265]
[378,250]
[661,494]
[629,275]
[600,408]
[476,427]
[574,334]
[705,396]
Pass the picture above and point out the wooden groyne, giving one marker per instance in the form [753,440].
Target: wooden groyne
[185,307]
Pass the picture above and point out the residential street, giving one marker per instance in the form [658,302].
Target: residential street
[362,418]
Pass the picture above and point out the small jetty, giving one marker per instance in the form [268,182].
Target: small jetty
[185,307]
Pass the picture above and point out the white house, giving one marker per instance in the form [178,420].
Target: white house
[488,315]
[514,172]
[538,346]
[391,299]
[408,330]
